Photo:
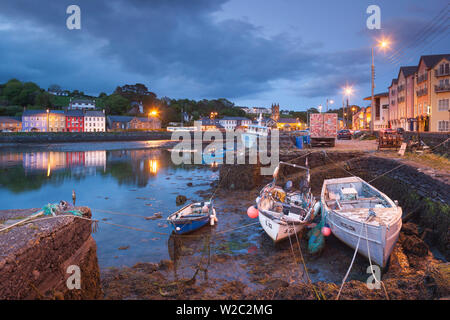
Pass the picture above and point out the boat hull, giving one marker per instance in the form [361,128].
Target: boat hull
[378,240]
[188,226]
[278,230]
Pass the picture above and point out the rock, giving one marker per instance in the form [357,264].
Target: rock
[410,229]
[165,264]
[413,244]
[146,267]
[276,283]
[58,295]
[180,200]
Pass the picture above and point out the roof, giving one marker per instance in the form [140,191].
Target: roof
[10,119]
[433,59]
[94,113]
[34,112]
[407,70]
[234,118]
[120,118]
[74,113]
[394,81]
[288,120]
[82,101]
[208,122]
[61,112]
[378,95]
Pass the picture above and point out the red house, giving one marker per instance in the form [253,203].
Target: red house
[74,121]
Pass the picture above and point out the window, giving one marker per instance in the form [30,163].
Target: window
[443,126]
[443,105]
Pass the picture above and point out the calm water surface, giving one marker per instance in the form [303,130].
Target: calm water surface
[132,181]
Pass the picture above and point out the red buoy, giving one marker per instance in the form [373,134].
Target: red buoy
[326,231]
[252,212]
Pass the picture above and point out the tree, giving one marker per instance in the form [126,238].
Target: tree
[54,88]
[116,104]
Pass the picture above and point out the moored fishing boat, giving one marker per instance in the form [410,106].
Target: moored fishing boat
[283,212]
[192,217]
[361,216]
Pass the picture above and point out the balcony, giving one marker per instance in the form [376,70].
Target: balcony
[422,92]
[442,72]
[442,88]
[422,78]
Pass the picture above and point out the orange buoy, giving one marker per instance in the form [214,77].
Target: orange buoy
[252,212]
[326,231]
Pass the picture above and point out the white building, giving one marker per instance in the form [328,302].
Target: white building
[94,121]
[230,123]
[81,104]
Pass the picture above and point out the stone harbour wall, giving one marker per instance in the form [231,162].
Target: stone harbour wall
[34,258]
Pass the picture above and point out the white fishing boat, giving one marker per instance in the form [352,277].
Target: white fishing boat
[362,216]
[250,135]
[283,213]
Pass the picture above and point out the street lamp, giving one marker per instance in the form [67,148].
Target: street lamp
[383,44]
[329,101]
[48,111]
[348,91]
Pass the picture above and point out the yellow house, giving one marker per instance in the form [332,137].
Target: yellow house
[290,124]
[440,95]
[432,93]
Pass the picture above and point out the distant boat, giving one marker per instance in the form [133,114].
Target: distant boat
[191,217]
[250,135]
[350,205]
[283,213]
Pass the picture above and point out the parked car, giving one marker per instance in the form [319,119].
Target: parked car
[344,134]
[400,130]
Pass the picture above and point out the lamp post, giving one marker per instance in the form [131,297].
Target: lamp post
[383,44]
[48,111]
[329,101]
[152,113]
[348,91]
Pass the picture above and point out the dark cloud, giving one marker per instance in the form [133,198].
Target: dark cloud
[176,47]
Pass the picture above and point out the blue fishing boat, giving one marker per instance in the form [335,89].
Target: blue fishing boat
[192,217]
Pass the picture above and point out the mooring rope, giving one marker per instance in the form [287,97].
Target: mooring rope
[370,262]
[351,264]
[304,265]
[306,269]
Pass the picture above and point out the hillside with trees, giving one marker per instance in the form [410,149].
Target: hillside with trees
[15,95]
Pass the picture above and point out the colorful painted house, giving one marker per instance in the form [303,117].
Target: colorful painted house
[74,121]
[35,120]
[10,124]
[56,121]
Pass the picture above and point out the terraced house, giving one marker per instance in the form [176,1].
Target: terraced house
[10,124]
[56,121]
[405,97]
[94,121]
[74,121]
[35,121]
[419,97]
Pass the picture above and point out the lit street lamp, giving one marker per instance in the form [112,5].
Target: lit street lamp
[329,101]
[348,91]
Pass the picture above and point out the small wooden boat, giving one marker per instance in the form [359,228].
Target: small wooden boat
[355,210]
[283,213]
[191,217]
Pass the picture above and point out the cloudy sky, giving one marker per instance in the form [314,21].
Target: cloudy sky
[294,52]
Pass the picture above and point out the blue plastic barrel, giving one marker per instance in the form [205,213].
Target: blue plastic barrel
[299,142]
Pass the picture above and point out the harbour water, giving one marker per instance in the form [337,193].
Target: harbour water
[123,183]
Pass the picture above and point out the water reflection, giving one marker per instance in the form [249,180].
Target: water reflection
[140,182]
